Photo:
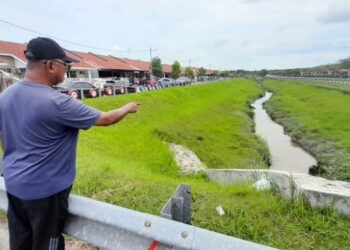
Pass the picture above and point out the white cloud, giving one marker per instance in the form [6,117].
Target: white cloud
[227,34]
[335,12]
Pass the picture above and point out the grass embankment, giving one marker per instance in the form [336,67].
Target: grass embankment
[318,119]
[343,87]
[130,165]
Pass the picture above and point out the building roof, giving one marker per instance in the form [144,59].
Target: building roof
[137,64]
[209,72]
[82,62]
[101,62]
[88,60]
[167,68]
[14,49]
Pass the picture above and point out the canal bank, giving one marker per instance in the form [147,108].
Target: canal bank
[318,120]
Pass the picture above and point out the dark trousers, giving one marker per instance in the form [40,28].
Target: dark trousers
[37,224]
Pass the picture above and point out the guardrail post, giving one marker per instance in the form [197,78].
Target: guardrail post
[178,207]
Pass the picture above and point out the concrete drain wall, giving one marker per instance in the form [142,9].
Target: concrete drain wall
[319,191]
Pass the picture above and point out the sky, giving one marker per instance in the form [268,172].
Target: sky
[221,34]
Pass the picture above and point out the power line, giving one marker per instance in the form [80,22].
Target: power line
[67,41]
[170,59]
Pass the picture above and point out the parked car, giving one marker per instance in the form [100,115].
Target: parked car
[203,78]
[98,83]
[74,89]
[150,82]
[115,85]
[183,80]
[166,82]
[124,80]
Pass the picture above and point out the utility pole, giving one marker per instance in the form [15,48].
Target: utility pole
[189,63]
[150,65]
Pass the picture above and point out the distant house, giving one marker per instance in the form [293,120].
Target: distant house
[93,65]
[90,66]
[344,73]
[141,68]
[167,69]
[12,59]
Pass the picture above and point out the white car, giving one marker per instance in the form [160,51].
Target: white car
[183,80]
[165,81]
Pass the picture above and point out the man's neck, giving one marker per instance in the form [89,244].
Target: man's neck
[31,78]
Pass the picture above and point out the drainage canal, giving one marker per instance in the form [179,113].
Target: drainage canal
[285,155]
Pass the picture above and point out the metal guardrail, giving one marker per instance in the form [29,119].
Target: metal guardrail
[111,227]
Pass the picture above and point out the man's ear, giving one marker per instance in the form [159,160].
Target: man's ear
[50,67]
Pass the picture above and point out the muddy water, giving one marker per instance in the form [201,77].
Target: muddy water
[285,154]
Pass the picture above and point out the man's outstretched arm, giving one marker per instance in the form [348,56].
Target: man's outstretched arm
[114,116]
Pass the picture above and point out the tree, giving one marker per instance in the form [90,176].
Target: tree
[216,73]
[202,71]
[345,63]
[225,73]
[263,72]
[189,72]
[157,69]
[176,69]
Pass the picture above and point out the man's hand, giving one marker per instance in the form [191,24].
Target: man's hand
[132,107]
[114,116]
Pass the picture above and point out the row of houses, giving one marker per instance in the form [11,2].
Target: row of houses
[90,66]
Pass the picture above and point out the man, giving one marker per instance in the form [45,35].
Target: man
[39,129]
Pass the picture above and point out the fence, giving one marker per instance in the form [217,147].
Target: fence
[311,79]
[5,80]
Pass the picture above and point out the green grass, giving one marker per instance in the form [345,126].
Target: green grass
[317,118]
[343,87]
[130,165]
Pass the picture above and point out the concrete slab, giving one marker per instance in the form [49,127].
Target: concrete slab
[319,191]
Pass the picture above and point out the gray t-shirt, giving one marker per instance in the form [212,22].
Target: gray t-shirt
[40,130]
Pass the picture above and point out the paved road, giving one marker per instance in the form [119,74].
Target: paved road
[71,244]
[4,238]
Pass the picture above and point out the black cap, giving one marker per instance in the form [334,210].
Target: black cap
[43,48]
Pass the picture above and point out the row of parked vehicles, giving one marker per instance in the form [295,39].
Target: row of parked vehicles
[85,89]
[181,81]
